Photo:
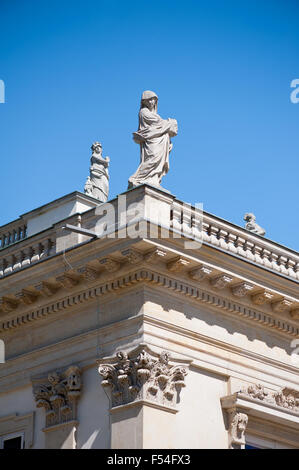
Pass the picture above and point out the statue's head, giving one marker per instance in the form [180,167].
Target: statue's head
[249,217]
[149,99]
[97,147]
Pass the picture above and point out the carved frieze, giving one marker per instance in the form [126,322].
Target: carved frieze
[142,376]
[58,394]
[285,398]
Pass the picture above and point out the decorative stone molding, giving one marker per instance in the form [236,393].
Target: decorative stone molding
[237,426]
[242,289]
[47,288]
[261,297]
[278,411]
[27,296]
[8,304]
[147,276]
[58,394]
[285,398]
[142,375]
[133,256]
[281,305]
[219,282]
[89,273]
[68,279]
[295,313]
[154,255]
[177,264]
[198,274]
[110,264]
[257,391]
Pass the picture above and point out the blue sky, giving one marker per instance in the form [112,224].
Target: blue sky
[74,72]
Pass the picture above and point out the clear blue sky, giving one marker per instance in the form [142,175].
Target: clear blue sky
[74,72]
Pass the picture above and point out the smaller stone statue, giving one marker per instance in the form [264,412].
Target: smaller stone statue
[97,183]
[252,226]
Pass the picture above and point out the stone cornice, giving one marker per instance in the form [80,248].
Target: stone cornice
[200,294]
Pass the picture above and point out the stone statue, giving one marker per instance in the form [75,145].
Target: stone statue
[97,183]
[153,136]
[252,226]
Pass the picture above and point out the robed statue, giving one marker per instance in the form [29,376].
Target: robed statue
[97,183]
[153,136]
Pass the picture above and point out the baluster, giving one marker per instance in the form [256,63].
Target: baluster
[222,239]
[282,262]
[36,248]
[205,232]
[291,268]
[266,255]
[240,246]
[213,232]
[26,255]
[10,262]
[231,240]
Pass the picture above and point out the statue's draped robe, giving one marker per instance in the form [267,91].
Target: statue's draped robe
[153,136]
[99,177]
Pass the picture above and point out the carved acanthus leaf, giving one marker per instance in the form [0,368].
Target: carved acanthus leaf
[143,377]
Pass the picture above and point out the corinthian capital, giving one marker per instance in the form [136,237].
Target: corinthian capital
[143,375]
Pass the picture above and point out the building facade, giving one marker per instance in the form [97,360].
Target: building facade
[142,323]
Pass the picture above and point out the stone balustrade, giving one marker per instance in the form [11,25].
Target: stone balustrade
[12,233]
[179,218]
[26,252]
[236,240]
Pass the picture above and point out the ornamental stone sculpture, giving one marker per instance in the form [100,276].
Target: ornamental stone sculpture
[252,226]
[153,136]
[97,183]
[58,394]
[237,426]
[143,377]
